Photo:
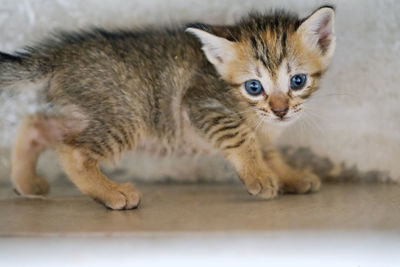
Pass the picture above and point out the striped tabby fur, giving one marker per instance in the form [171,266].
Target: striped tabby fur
[181,90]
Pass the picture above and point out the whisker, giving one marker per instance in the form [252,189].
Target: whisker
[311,121]
[259,123]
[302,130]
[313,112]
[330,95]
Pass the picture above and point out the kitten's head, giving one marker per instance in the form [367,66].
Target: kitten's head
[273,62]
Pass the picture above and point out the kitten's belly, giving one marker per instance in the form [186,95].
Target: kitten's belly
[187,142]
[189,146]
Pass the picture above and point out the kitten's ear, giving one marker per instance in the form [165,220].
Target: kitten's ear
[318,31]
[218,50]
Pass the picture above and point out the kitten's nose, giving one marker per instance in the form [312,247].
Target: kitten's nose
[279,104]
[280,112]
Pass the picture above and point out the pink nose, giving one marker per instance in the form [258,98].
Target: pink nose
[280,112]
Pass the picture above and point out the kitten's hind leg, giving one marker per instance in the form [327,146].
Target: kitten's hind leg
[33,137]
[83,170]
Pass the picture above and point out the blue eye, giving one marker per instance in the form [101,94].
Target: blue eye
[298,81]
[253,87]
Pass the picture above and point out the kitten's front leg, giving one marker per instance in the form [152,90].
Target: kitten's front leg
[291,180]
[258,177]
[229,133]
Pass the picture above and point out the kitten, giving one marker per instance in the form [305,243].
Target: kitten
[224,89]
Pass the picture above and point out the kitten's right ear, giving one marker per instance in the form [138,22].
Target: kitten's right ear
[218,50]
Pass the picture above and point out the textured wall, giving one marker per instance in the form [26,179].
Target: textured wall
[355,119]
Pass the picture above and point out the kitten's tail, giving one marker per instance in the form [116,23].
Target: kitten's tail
[20,68]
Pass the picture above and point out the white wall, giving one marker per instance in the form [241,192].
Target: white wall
[356,117]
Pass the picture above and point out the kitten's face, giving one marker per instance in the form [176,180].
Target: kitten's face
[276,83]
[274,69]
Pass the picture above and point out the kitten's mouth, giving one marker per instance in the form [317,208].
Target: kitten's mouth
[268,118]
[284,119]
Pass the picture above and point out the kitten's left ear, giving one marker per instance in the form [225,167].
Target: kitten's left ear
[318,31]
[218,50]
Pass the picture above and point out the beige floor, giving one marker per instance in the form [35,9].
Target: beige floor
[204,225]
[204,207]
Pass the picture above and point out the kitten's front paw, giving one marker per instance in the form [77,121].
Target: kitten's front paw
[121,197]
[305,182]
[261,185]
